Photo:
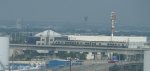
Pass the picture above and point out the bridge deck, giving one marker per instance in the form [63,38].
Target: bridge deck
[77,48]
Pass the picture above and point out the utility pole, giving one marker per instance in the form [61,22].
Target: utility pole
[70,63]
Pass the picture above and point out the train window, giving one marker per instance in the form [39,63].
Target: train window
[51,39]
[43,39]
[62,42]
[100,44]
[58,42]
[73,42]
[80,43]
[66,42]
[112,44]
[69,43]
[38,43]
[115,44]
[42,43]
[77,43]
[108,44]
[93,43]
[122,44]
[86,43]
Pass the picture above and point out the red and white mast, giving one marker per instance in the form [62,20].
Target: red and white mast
[113,19]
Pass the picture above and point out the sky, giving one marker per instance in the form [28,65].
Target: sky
[129,12]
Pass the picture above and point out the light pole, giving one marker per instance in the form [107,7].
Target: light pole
[70,63]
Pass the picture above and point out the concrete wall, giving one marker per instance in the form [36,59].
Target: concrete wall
[146,60]
[4,52]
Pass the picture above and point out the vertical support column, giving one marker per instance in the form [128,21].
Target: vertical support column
[95,55]
[90,56]
[68,51]
[98,56]
[110,54]
[146,61]
[4,52]
[54,54]
[127,57]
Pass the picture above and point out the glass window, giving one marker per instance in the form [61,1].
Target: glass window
[43,39]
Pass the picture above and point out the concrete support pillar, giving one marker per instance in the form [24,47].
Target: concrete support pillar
[4,53]
[104,55]
[98,56]
[146,61]
[127,57]
[141,57]
[81,52]
[55,51]
[110,54]
[54,54]
[94,54]
[68,51]
[89,56]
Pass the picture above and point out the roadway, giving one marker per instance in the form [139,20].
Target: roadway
[78,48]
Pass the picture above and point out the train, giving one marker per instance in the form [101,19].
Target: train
[114,44]
[64,41]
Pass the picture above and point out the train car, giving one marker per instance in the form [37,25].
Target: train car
[91,43]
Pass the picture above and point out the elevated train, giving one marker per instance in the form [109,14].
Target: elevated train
[114,44]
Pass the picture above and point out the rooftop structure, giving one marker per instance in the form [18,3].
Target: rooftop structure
[48,32]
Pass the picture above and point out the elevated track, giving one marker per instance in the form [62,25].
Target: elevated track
[78,48]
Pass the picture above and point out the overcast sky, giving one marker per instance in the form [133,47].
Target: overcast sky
[98,11]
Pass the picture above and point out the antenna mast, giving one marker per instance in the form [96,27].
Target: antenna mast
[18,23]
[113,19]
